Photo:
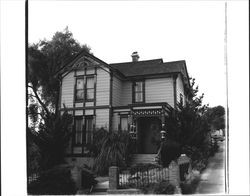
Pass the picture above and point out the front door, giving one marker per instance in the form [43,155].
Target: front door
[148,134]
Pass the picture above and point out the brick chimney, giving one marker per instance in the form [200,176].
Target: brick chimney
[135,56]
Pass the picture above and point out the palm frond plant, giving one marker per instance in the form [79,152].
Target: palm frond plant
[113,151]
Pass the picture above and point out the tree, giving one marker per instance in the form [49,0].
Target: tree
[45,59]
[216,117]
[52,140]
[48,129]
[188,126]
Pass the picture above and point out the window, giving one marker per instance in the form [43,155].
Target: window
[79,89]
[78,130]
[85,88]
[90,88]
[83,134]
[89,129]
[124,123]
[139,92]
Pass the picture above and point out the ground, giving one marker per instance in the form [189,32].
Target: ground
[213,177]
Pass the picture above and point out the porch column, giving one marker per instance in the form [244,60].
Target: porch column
[162,119]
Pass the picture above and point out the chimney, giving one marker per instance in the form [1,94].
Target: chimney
[135,56]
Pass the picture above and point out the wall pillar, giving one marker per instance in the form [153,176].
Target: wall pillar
[113,178]
[76,176]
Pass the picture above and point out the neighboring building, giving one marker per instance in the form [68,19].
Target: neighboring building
[133,96]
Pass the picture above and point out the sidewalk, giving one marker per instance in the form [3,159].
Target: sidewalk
[213,177]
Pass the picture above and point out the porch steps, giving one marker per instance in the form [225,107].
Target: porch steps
[142,158]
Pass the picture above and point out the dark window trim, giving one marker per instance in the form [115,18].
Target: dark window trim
[74,133]
[134,93]
[86,89]
[84,131]
[87,117]
[77,78]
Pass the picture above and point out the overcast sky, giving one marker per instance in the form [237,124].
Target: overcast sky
[191,31]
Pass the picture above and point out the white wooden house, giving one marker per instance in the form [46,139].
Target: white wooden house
[132,96]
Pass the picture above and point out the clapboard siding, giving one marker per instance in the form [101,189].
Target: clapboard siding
[126,96]
[159,90]
[117,91]
[102,118]
[179,88]
[102,87]
[67,95]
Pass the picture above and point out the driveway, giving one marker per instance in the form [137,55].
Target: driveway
[213,177]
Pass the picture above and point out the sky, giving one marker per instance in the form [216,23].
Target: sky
[190,31]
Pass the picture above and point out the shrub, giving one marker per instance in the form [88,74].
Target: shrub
[163,187]
[113,151]
[143,167]
[190,186]
[170,150]
[88,179]
[56,181]
[214,148]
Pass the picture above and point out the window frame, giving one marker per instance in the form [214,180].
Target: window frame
[75,131]
[76,90]
[89,117]
[84,131]
[86,88]
[135,92]
[120,125]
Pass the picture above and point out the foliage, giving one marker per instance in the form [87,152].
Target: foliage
[189,126]
[170,150]
[163,187]
[45,59]
[88,178]
[113,151]
[143,167]
[56,181]
[216,117]
[99,136]
[190,186]
[33,156]
[52,140]
[47,128]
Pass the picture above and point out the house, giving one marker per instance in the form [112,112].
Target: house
[133,96]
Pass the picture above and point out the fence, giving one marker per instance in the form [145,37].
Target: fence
[139,177]
[142,176]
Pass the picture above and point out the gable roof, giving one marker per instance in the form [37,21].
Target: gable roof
[70,64]
[150,67]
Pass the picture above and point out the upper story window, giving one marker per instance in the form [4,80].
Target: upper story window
[79,89]
[139,92]
[85,88]
[90,87]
